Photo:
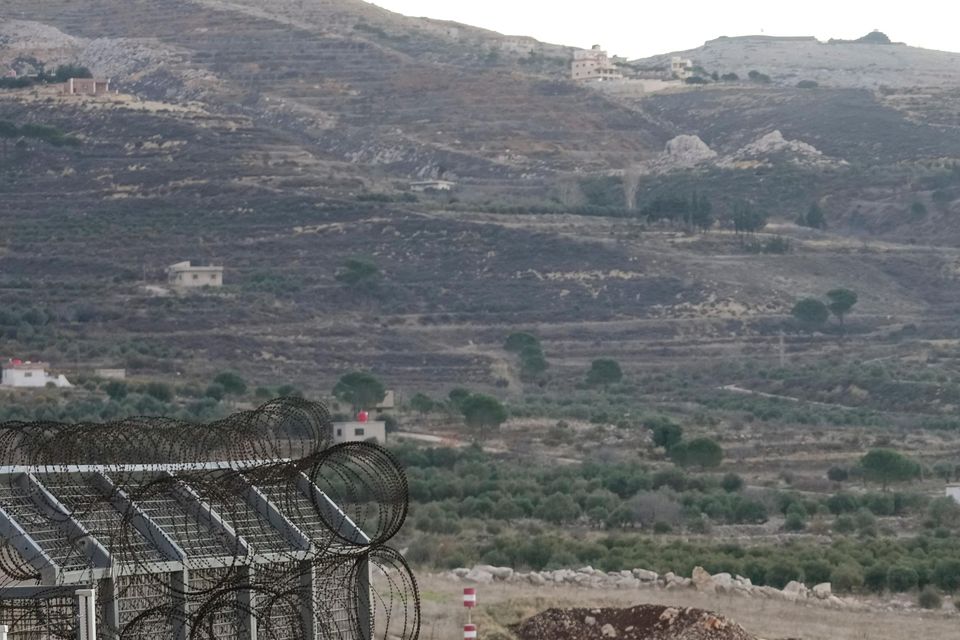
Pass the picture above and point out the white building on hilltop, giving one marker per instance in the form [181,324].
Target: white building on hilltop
[30,375]
[593,65]
[681,67]
[183,274]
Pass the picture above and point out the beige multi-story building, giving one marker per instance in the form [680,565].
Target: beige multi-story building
[593,65]
[681,67]
[187,276]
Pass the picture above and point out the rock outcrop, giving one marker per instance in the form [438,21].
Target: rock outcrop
[638,579]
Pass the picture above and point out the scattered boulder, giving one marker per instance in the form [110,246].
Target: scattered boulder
[823,590]
[794,590]
[479,576]
[687,151]
[628,583]
[645,576]
[723,582]
[501,573]
[608,631]
[536,579]
[703,581]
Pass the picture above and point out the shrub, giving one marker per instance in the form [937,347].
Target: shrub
[875,577]
[116,389]
[289,391]
[159,390]
[838,474]
[558,508]
[865,519]
[231,382]
[846,577]
[700,452]
[944,511]
[661,527]
[795,522]
[946,574]
[673,478]
[808,84]
[902,578]
[750,512]
[810,311]
[929,598]
[604,371]
[816,571]
[731,483]
[517,342]
[666,433]
[840,503]
[780,573]
[214,391]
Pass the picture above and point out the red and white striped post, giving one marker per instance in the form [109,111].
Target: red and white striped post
[469,603]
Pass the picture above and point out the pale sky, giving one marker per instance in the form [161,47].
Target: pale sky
[634,28]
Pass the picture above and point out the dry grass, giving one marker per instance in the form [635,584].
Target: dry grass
[502,604]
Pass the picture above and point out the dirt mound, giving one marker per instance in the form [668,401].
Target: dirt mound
[643,622]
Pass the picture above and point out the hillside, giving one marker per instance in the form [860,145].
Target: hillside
[279,139]
[845,64]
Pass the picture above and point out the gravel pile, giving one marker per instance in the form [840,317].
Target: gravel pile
[643,622]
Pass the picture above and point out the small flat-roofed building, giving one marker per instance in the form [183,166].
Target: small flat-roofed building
[375,430]
[432,185]
[953,491]
[111,374]
[188,276]
[30,375]
[85,86]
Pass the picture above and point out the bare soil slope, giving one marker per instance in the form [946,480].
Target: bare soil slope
[642,622]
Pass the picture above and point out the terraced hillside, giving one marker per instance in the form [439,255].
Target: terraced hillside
[352,92]
[262,135]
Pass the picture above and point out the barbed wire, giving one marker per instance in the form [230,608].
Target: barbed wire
[204,530]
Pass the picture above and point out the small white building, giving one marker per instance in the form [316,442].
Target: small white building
[953,491]
[389,401]
[111,374]
[432,185]
[360,431]
[18,374]
[187,276]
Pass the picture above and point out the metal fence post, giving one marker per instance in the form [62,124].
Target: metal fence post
[87,607]
[3,632]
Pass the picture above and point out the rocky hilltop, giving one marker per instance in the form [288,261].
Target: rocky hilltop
[867,64]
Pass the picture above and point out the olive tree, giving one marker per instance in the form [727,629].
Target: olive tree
[483,413]
[360,390]
[886,465]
